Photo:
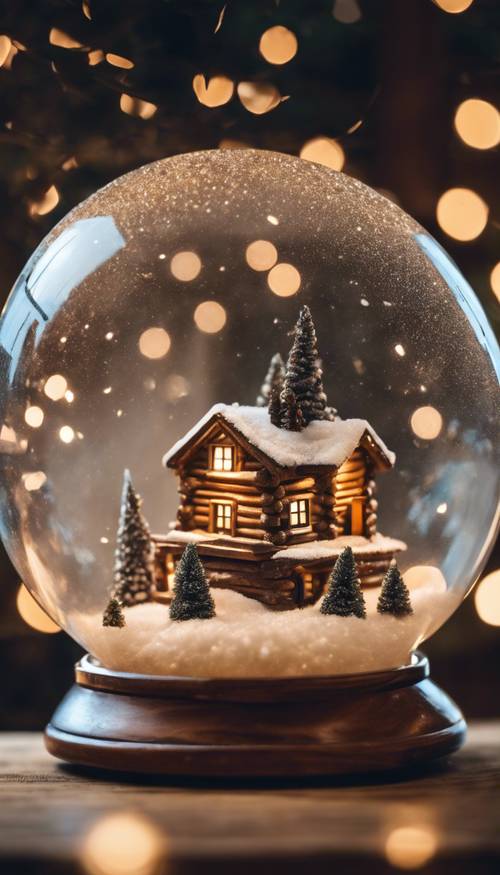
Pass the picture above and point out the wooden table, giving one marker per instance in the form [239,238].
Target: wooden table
[46,810]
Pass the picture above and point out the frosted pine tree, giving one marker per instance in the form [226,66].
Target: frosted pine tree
[273,379]
[192,599]
[303,375]
[133,578]
[275,406]
[291,417]
[344,596]
[113,615]
[394,596]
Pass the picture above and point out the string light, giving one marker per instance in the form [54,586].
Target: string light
[278,45]
[258,97]
[32,614]
[487,599]
[216,92]
[462,214]
[154,343]
[284,280]
[325,151]
[210,317]
[477,123]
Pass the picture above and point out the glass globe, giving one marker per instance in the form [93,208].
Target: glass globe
[167,292]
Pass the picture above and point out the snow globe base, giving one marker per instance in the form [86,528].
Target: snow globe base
[254,728]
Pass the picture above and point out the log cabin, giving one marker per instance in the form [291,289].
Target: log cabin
[270,510]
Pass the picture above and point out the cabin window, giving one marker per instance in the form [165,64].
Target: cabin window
[222,458]
[222,517]
[300,513]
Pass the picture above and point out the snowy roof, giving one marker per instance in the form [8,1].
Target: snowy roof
[320,443]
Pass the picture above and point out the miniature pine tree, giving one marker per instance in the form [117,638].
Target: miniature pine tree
[192,599]
[275,406]
[394,596]
[274,378]
[303,373]
[291,417]
[113,614]
[344,596]
[133,579]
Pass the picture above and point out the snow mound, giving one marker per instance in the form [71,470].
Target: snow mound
[245,639]
[320,443]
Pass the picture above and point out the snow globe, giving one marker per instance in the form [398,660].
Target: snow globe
[293,390]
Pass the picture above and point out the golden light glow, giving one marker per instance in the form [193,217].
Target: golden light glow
[495,281]
[66,434]
[216,92]
[278,45]
[425,575]
[122,844]
[462,214]
[70,164]
[454,6]
[119,61]
[324,150]
[426,422]
[346,11]
[63,40]
[228,143]
[32,614]
[442,508]
[69,396]
[154,343]
[487,598]
[55,387]
[176,386]
[210,317]
[86,10]
[258,97]
[477,123]
[284,280]
[95,57]
[46,203]
[400,350]
[185,266]
[5,46]
[410,847]
[8,434]
[137,107]
[261,255]
[33,416]
[34,480]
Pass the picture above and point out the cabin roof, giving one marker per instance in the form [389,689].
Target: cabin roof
[320,444]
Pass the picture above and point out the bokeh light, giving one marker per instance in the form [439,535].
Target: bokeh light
[477,123]
[32,614]
[119,61]
[258,97]
[154,343]
[324,150]
[411,847]
[33,416]
[346,11]
[137,107]
[495,280]
[210,317]
[185,266]
[55,387]
[46,203]
[462,214]
[284,280]
[216,92]
[454,6]
[122,844]
[487,598]
[34,480]
[261,255]
[278,45]
[426,422]
[67,434]
[5,46]
[62,39]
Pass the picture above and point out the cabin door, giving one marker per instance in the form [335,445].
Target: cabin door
[355,517]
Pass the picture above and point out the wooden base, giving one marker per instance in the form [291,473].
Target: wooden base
[265,727]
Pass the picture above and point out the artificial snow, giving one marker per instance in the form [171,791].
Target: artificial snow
[320,443]
[246,639]
[331,548]
[179,537]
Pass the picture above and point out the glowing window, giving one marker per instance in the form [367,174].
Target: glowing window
[223,516]
[222,458]
[299,513]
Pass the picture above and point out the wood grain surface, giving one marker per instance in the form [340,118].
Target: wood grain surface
[46,810]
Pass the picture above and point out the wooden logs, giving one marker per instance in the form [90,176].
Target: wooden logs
[263,477]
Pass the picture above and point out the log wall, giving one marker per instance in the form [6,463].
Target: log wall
[355,479]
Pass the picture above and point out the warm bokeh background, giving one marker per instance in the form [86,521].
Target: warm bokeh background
[399,94]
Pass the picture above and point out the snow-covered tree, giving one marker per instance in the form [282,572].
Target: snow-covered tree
[133,577]
[291,416]
[273,379]
[113,615]
[344,596]
[192,599]
[394,596]
[303,374]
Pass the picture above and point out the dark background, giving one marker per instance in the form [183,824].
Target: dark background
[401,68]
